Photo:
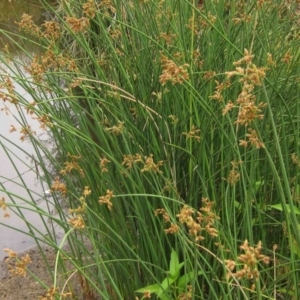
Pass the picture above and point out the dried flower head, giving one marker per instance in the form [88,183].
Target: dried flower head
[103,165]
[72,165]
[254,139]
[174,119]
[250,76]
[129,160]
[172,72]
[50,295]
[86,191]
[44,121]
[51,30]
[59,186]
[287,57]
[150,166]
[77,222]
[172,229]
[106,199]
[147,295]
[107,7]
[234,174]
[89,9]
[203,222]
[26,131]
[295,159]
[116,129]
[188,295]
[3,206]
[28,25]
[228,107]
[249,262]
[77,25]
[36,69]
[209,75]
[12,128]
[162,211]
[193,134]
[16,266]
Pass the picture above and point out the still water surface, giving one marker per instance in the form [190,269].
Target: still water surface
[10,13]
[17,172]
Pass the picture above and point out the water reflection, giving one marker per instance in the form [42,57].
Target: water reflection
[18,178]
[10,13]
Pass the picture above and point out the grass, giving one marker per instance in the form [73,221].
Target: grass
[174,128]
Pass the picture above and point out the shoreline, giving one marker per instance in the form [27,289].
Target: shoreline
[27,287]
[23,288]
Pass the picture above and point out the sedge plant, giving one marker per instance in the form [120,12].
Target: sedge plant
[174,137]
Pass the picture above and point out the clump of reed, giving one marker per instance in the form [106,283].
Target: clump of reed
[175,127]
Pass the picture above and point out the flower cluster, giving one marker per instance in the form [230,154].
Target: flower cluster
[89,9]
[59,186]
[193,134]
[150,166]
[172,72]
[77,221]
[148,162]
[234,174]
[196,222]
[249,261]
[3,205]
[203,222]
[26,132]
[9,90]
[103,164]
[51,30]
[106,199]
[27,25]
[116,129]
[53,293]
[248,109]
[72,165]
[77,24]
[16,266]
[129,160]
[173,228]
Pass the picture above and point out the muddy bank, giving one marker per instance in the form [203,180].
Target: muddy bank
[25,288]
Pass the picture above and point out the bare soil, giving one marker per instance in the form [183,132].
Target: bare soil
[25,288]
[22,288]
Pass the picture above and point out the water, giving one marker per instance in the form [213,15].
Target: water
[10,13]
[18,176]
[19,182]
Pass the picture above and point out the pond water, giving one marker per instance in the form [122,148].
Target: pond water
[19,182]
[10,13]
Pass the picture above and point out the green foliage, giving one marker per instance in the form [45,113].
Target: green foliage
[177,284]
[174,128]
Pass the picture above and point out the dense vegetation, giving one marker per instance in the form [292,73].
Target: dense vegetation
[175,129]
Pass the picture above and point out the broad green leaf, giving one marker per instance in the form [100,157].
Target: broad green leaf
[279,207]
[164,297]
[258,184]
[180,266]
[174,265]
[151,288]
[186,278]
[237,205]
[167,282]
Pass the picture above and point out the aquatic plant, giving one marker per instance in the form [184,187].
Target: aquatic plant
[175,125]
